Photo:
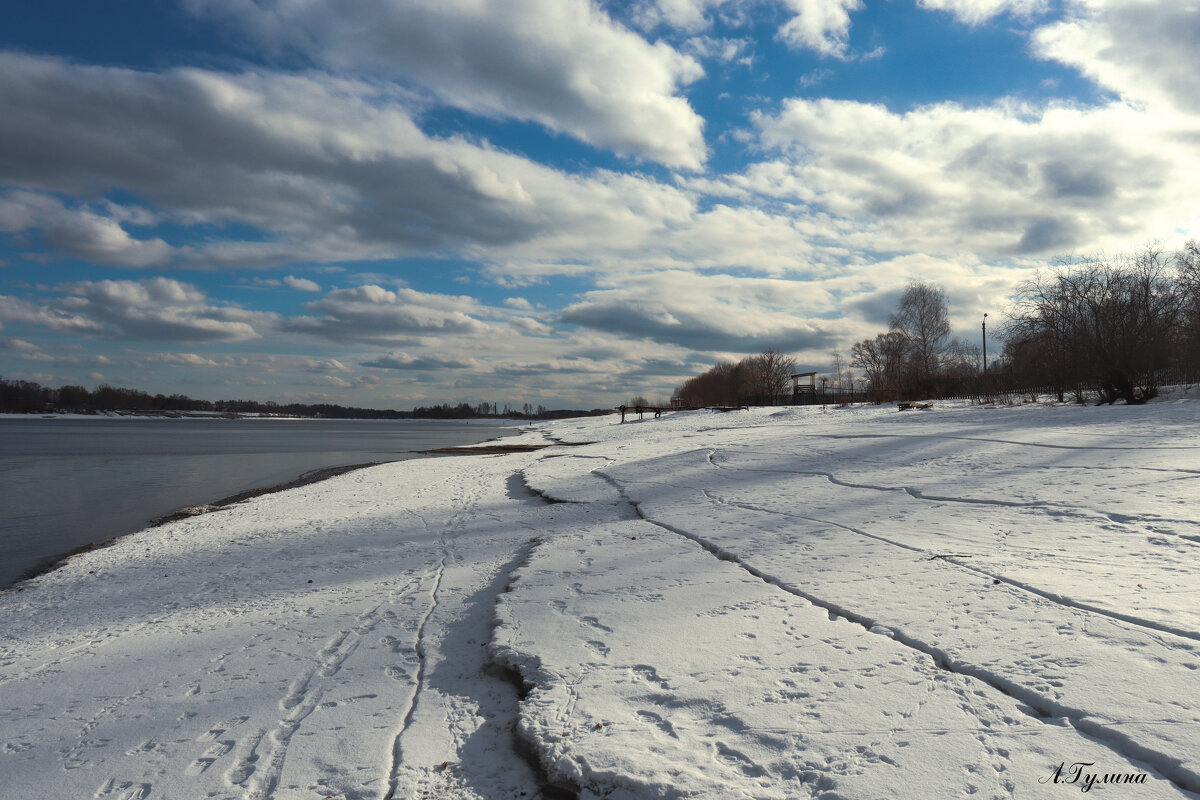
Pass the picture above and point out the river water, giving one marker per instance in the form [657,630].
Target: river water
[69,482]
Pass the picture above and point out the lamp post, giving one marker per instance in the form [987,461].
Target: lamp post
[985,343]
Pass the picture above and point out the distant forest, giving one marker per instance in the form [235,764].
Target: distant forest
[27,397]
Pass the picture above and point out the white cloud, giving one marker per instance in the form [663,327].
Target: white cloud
[1004,179]
[820,25]
[80,232]
[19,345]
[256,363]
[302,284]
[183,360]
[1146,51]
[14,309]
[531,326]
[976,12]
[562,63]
[319,365]
[721,49]
[332,170]
[404,361]
[375,314]
[158,309]
[703,312]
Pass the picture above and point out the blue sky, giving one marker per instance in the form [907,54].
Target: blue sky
[559,202]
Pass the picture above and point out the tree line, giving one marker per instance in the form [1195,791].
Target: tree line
[1114,326]
[760,379]
[28,397]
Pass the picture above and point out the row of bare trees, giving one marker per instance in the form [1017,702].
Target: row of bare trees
[761,379]
[1112,323]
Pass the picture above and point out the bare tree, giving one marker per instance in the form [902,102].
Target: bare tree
[843,374]
[769,373]
[723,385]
[762,379]
[881,360]
[1188,264]
[1114,321]
[838,367]
[923,320]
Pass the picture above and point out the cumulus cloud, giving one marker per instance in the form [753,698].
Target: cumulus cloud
[531,326]
[724,50]
[702,312]
[562,63]
[820,25]
[1146,51]
[80,232]
[403,361]
[19,345]
[319,365]
[183,360]
[302,284]
[975,12]
[756,235]
[1000,180]
[156,309]
[685,15]
[14,309]
[258,363]
[331,169]
[374,314]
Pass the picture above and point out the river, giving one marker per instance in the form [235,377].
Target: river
[68,482]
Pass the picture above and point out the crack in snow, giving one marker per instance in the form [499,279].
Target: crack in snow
[998,441]
[1041,708]
[954,558]
[917,494]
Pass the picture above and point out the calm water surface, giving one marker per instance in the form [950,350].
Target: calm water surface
[67,483]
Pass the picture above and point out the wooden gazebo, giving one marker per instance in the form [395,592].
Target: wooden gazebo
[804,385]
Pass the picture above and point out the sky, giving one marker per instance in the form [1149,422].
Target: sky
[561,202]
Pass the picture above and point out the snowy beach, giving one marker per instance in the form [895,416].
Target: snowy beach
[992,602]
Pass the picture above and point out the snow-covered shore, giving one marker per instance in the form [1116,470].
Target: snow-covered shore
[777,603]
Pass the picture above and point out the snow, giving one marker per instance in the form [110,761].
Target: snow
[774,603]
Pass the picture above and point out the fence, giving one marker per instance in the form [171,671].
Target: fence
[994,386]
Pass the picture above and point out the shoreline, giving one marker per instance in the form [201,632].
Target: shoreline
[304,479]
[53,562]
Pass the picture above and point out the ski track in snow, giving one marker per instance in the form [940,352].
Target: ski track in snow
[787,603]
[258,680]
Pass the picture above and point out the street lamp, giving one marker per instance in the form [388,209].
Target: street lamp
[985,343]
